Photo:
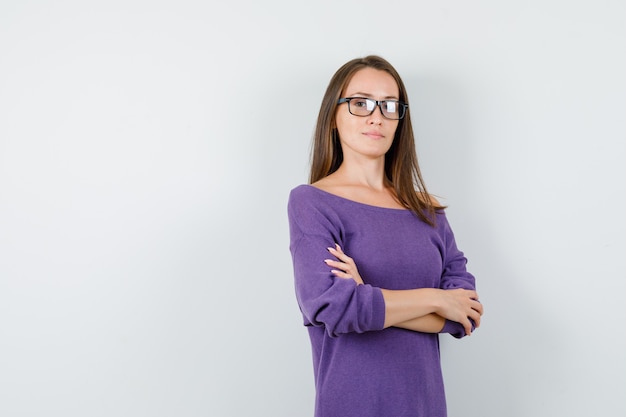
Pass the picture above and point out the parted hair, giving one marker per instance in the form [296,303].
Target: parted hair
[402,171]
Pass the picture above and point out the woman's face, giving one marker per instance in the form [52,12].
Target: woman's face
[367,136]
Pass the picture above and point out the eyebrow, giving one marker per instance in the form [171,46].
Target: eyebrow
[366,95]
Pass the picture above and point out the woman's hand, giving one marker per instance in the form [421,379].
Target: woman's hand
[344,267]
[461,306]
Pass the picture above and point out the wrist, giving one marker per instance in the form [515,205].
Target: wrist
[435,300]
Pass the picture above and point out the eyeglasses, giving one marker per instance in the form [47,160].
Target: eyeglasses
[361,106]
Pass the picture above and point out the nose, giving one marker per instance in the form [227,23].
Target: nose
[377,116]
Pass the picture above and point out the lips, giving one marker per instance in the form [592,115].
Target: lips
[374,134]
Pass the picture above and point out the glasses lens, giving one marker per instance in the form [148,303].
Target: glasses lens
[361,106]
[392,109]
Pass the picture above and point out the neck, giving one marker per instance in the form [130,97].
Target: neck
[369,173]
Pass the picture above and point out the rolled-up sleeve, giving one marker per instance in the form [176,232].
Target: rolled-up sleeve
[455,274]
[337,304]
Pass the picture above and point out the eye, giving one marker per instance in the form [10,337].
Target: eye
[391,106]
[360,103]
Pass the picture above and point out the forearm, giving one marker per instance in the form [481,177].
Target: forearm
[461,306]
[409,307]
[430,323]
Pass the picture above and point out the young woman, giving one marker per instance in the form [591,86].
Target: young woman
[374,329]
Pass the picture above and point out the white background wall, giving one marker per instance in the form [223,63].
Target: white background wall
[147,149]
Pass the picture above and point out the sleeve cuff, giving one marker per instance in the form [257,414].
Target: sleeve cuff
[455,329]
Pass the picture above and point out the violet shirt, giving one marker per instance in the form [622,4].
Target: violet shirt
[361,369]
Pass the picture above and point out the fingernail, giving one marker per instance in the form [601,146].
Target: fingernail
[327,260]
[330,249]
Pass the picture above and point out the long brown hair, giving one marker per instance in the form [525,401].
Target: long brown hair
[402,172]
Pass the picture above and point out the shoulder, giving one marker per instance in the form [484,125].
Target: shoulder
[302,199]
[301,192]
[312,211]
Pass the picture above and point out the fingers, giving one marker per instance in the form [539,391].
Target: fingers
[471,322]
[341,269]
[462,306]
[476,312]
[338,253]
[344,266]
[345,262]
[467,325]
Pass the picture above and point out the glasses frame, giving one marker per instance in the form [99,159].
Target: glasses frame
[379,104]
